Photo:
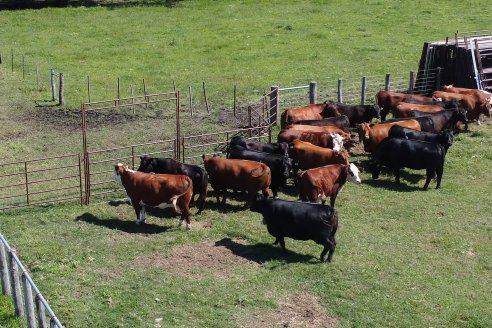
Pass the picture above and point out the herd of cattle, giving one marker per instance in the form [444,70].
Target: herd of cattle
[315,139]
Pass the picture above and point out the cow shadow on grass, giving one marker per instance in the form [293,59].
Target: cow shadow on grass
[261,253]
[391,185]
[166,213]
[125,226]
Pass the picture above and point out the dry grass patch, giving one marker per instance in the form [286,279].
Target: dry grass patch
[194,260]
[298,310]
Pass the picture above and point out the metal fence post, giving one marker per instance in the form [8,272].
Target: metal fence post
[4,271]
[387,82]
[28,302]
[313,92]
[274,102]
[339,91]
[16,286]
[363,91]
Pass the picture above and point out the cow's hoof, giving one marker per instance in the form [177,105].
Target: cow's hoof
[188,227]
[180,223]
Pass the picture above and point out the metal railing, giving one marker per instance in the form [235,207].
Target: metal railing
[29,303]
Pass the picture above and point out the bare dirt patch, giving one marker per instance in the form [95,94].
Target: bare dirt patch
[195,260]
[299,310]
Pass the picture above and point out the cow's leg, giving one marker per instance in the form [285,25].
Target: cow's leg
[396,171]
[328,246]
[274,192]
[224,192]
[265,192]
[140,212]
[430,174]
[281,241]
[440,171]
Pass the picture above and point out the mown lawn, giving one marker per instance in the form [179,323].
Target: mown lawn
[405,257]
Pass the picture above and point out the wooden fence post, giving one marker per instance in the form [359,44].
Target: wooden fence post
[53,85]
[205,96]
[234,106]
[119,94]
[339,91]
[133,98]
[16,286]
[387,82]
[174,86]
[411,82]
[274,105]
[40,310]
[89,88]
[12,60]
[0,56]
[145,94]
[61,93]
[28,302]
[313,92]
[4,267]
[250,123]
[363,91]
[191,100]
[23,68]
[37,77]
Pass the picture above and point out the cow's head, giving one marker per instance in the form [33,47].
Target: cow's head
[461,115]
[487,109]
[336,141]
[374,111]
[118,171]
[286,166]
[145,164]
[447,139]
[259,204]
[353,174]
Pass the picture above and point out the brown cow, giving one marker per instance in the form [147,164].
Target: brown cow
[157,190]
[237,174]
[322,139]
[387,100]
[325,181]
[473,105]
[309,112]
[483,96]
[324,128]
[307,156]
[403,109]
[373,134]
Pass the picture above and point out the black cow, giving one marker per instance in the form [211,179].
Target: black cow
[198,176]
[280,165]
[300,221]
[356,113]
[445,119]
[414,154]
[340,121]
[426,123]
[281,148]
[444,104]
[445,138]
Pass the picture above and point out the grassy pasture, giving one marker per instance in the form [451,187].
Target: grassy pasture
[405,257]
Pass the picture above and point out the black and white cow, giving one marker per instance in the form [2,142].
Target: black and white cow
[413,154]
[198,176]
[300,221]
[280,165]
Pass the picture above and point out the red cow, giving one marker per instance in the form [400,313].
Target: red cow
[373,134]
[403,109]
[157,190]
[387,100]
[322,139]
[310,112]
[473,105]
[481,95]
[325,181]
[237,174]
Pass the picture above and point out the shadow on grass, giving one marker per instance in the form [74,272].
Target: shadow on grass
[391,185]
[39,4]
[261,253]
[125,226]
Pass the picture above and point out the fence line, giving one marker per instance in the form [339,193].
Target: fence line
[17,282]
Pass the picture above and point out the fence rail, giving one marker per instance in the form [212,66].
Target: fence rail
[17,282]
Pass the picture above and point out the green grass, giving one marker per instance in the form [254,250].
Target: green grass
[405,257]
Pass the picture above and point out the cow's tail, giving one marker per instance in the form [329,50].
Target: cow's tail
[174,199]
[203,193]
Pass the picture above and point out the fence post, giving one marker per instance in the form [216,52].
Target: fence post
[119,94]
[61,93]
[145,94]
[178,127]
[234,107]
[133,98]
[16,286]
[339,91]
[40,311]
[174,86]
[23,68]
[249,121]
[438,78]
[27,182]
[89,88]
[274,102]
[387,82]
[0,56]
[53,86]
[28,302]
[12,60]
[5,271]
[313,92]
[205,96]
[411,82]
[363,91]
[37,77]
[191,100]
